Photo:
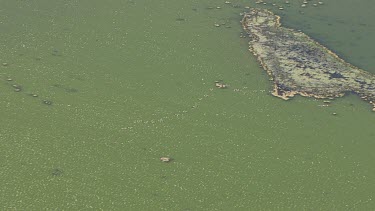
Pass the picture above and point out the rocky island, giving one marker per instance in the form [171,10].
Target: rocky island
[299,65]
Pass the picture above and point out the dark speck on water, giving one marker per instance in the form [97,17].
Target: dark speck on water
[71,90]
[57,85]
[236,6]
[57,172]
[55,52]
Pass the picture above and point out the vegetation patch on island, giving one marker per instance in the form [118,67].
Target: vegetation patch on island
[299,65]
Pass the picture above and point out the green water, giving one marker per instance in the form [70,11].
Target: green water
[132,80]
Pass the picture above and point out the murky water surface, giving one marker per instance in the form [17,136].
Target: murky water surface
[94,92]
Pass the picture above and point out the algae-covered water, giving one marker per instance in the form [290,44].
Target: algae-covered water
[93,93]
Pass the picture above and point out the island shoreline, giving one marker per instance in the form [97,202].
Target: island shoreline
[333,76]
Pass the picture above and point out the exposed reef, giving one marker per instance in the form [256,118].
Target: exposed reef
[299,65]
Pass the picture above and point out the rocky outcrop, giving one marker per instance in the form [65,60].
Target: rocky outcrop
[299,65]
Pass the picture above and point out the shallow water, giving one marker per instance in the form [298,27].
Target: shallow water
[131,81]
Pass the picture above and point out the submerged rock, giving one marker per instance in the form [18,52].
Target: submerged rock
[299,65]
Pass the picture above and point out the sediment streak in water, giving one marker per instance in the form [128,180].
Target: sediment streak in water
[299,65]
